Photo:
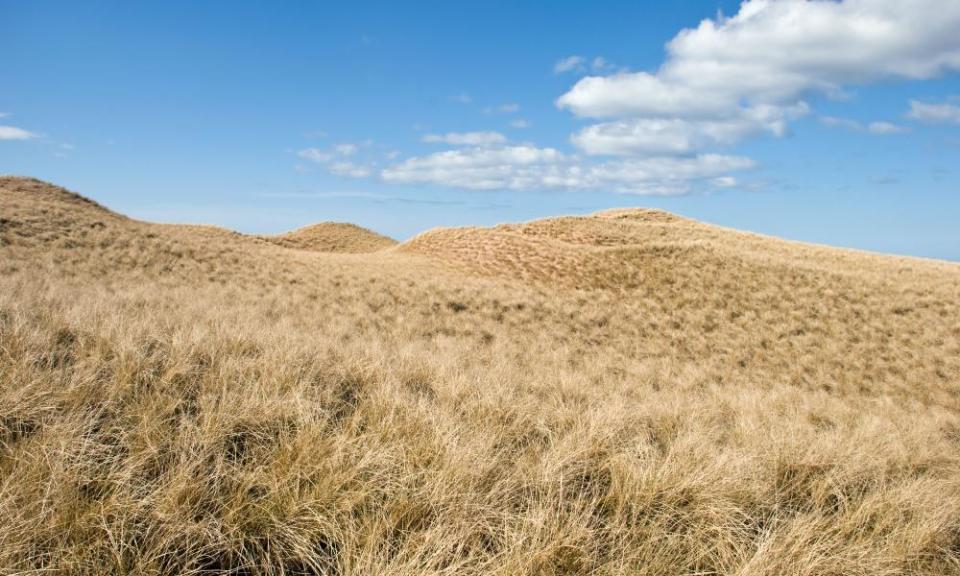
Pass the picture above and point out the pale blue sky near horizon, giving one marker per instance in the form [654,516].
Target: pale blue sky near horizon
[263,117]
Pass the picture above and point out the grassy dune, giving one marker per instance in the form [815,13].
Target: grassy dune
[625,393]
[333,237]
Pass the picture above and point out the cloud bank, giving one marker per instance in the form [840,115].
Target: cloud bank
[666,131]
[759,66]
[526,167]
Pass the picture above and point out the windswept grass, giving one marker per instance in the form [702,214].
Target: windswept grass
[629,393]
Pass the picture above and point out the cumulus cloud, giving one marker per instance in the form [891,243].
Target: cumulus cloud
[14,133]
[727,79]
[774,51]
[526,167]
[943,113]
[466,138]
[680,135]
[771,54]
[510,167]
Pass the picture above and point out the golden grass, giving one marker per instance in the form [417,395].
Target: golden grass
[333,237]
[625,393]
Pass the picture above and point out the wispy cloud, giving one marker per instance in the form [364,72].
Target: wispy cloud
[942,113]
[346,168]
[508,108]
[345,149]
[373,197]
[466,138]
[600,64]
[879,128]
[338,159]
[315,155]
[885,128]
[569,64]
[14,133]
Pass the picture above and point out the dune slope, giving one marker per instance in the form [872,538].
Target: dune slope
[629,392]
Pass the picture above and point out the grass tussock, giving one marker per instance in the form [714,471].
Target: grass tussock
[627,393]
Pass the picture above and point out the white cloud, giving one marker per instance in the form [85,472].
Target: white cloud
[934,113]
[525,167]
[599,64]
[14,133]
[345,149]
[730,78]
[846,123]
[667,175]
[512,167]
[569,64]
[774,51]
[346,168]
[725,182]
[337,160]
[463,98]
[879,128]
[884,128]
[467,138]
[519,123]
[315,155]
[681,135]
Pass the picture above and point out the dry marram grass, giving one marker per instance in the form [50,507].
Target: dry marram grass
[625,393]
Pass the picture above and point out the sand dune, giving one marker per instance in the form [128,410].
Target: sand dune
[333,237]
[629,392]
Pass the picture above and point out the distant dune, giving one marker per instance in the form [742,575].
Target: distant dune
[333,237]
[629,392]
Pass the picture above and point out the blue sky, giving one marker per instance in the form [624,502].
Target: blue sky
[830,122]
